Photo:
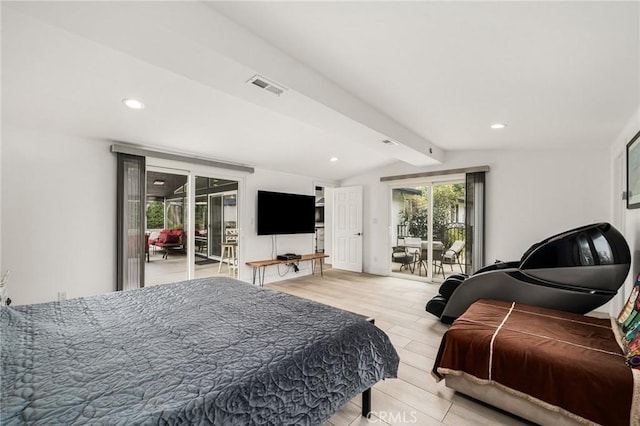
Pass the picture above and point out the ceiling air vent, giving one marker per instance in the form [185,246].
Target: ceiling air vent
[267,85]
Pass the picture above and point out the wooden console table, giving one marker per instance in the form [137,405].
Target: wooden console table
[258,265]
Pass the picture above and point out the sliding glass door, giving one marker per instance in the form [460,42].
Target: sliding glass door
[167,218]
[173,225]
[201,231]
[224,217]
[428,230]
[215,219]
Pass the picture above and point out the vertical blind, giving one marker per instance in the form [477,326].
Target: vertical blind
[130,221]
[474,221]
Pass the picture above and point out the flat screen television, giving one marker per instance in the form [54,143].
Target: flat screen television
[281,213]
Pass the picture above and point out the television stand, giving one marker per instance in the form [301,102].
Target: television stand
[259,266]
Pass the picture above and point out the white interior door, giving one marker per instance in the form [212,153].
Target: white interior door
[347,228]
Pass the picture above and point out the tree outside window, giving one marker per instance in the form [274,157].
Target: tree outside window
[446,202]
[155,215]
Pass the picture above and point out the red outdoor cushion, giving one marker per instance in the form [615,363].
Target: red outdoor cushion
[173,238]
[162,238]
[169,237]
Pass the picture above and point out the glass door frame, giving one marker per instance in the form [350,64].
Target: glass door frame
[215,236]
[199,239]
[222,195]
[199,172]
[429,183]
[193,170]
[189,205]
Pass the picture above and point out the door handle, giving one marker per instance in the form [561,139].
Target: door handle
[359,233]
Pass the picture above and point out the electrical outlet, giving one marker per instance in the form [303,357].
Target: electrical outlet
[62,295]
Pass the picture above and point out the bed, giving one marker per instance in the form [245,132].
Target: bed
[548,366]
[205,351]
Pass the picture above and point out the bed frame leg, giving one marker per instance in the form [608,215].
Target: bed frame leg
[366,403]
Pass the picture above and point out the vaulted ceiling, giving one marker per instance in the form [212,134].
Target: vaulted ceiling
[431,76]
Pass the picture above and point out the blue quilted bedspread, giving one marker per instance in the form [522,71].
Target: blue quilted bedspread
[206,351]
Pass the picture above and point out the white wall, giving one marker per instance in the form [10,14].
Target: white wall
[1,137]
[58,215]
[260,247]
[328,224]
[58,209]
[628,221]
[530,195]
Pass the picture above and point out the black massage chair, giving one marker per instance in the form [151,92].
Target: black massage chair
[575,271]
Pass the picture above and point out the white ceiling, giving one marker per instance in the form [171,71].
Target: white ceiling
[430,75]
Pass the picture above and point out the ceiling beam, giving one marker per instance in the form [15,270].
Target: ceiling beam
[192,39]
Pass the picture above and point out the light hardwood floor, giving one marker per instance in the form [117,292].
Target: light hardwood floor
[398,308]
[174,268]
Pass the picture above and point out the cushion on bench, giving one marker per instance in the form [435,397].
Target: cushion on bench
[169,238]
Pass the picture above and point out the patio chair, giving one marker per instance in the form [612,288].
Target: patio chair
[452,254]
[153,238]
[406,260]
[438,250]
[413,245]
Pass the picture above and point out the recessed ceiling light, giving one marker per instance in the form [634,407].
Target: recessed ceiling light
[133,103]
[389,142]
[498,126]
[333,159]
[158,182]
